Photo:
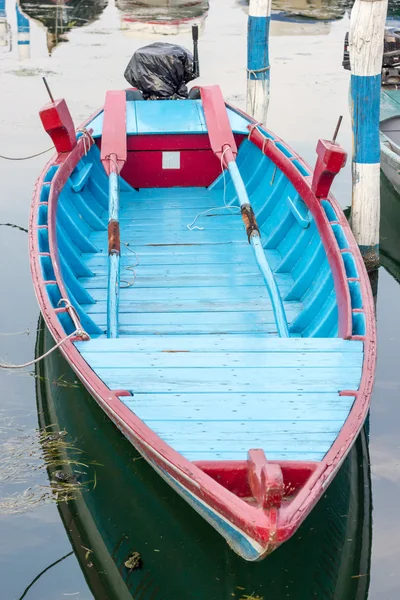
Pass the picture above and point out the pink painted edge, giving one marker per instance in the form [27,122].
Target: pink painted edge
[114,139]
[267,528]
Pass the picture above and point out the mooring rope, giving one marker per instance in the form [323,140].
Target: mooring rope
[192,226]
[14,226]
[78,332]
[26,157]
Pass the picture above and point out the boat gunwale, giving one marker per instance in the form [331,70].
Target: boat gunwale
[297,510]
[268,528]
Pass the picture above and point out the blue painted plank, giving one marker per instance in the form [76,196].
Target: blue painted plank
[230,360]
[72,254]
[221,343]
[236,407]
[184,236]
[257,294]
[299,454]
[314,300]
[185,256]
[293,246]
[298,209]
[181,380]
[80,177]
[183,270]
[236,436]
[142,279]
[177,305]
[75,229]
[307,275]
[89,210]
[195,326]
[169,116]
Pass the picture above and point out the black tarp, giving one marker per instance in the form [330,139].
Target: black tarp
[161,70]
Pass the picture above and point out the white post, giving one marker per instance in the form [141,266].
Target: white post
[258,59]
[367,27]
[24,35]
[3,24]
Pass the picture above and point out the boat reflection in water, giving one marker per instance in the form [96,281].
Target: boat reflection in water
[127,514]
[60,16]
[389,228]
[321,10]
[161,17]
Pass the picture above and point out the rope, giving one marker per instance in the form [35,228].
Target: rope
[192,226]
[15,226]
[255,71]
[79,332]
[25,157]
[87,138]
[108,157]
[265,139]
[130,267]
[32,362]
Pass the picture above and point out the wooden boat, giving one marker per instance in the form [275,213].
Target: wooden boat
[390,135]
[389,249]
[239,361]
[140,513]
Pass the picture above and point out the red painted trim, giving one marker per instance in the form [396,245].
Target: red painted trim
[270,527]
[113,149]
[293,514]
[218,125]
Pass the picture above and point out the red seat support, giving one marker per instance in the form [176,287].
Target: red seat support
[265,479]
[113,140]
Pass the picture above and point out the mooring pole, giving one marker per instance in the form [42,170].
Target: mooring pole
[367,27]
[258,69]
[3,24]
[24,35]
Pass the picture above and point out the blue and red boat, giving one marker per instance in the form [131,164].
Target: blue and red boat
[206,288]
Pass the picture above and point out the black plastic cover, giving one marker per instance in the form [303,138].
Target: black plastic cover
[161,70]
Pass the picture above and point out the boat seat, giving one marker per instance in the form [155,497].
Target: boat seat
[216,397]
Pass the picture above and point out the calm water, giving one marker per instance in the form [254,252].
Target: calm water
[350,546]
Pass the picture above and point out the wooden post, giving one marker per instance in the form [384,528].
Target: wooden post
[367,25]
[258,70]
[3,24]
[24,35]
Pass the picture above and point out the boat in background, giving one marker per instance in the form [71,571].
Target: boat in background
[237,349]
[125,508]
[389,247]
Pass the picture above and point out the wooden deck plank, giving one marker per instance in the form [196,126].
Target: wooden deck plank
[235,407]
[222,343]
[181,380]
[230,360]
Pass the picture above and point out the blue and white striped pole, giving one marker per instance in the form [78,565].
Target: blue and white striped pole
[23,37]
[367,28]
[3,24]
[258,59]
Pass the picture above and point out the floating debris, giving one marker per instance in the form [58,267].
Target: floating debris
[23,456]
[134,561]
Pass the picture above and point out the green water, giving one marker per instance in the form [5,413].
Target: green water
[119,506]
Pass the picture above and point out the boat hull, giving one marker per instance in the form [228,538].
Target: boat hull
[253,528]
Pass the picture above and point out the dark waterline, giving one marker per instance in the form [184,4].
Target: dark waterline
[125,507]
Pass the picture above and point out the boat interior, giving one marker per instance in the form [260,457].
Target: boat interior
[198,347]
[391,129]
